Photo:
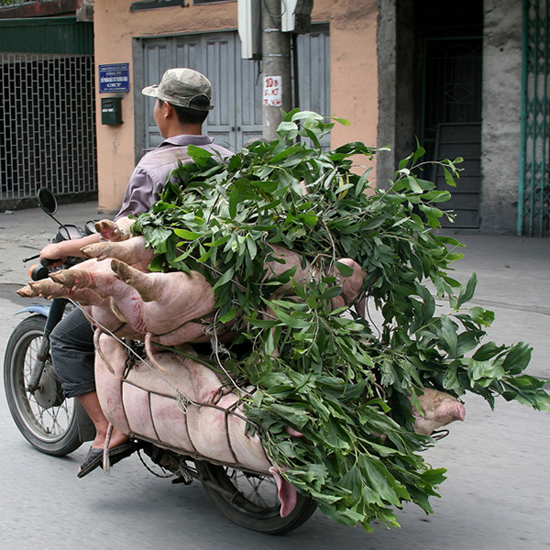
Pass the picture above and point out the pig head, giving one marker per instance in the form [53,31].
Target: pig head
[438,409]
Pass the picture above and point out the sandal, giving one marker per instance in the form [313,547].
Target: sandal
[94,458]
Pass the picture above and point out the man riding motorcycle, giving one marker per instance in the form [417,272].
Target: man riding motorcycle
[182,103]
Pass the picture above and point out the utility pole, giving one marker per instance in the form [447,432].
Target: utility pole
[276,64]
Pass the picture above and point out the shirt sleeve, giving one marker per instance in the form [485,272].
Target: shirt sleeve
[141,193]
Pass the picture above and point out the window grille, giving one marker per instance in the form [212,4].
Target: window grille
[534,189]
[47,125]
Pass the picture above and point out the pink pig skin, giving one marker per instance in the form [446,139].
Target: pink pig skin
[161,304]
[439,410]
[169,425]
[138,411]
[169,304]
[203,429]
[351,286]
[50,289]
[115,231]
[95,307]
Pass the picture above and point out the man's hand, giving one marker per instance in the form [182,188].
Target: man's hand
[54,254]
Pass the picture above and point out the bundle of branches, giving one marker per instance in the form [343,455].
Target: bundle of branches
[346,383]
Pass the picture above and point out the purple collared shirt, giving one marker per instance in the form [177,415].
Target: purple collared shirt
[150,174]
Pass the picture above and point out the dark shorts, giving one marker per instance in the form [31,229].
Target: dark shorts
[72,351]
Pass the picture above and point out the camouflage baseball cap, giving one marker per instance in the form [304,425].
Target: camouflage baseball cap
[180,86]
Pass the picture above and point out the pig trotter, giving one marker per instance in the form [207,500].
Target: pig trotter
[111,231]
[137,279]
[27,292]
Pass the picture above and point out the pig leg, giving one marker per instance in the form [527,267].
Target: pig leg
[49,289]
[104,284]
[131,252]
[285,491]
[352,286]
[109,367]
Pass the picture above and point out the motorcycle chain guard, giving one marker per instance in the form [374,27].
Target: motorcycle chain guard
[49,393]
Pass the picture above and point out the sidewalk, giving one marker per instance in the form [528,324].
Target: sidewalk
[23,233]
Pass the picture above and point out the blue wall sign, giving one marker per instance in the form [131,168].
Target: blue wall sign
[114,78]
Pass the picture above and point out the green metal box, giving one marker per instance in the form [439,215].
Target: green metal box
[111,110]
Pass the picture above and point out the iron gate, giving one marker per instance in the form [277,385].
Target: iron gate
[47,125]
[534,189]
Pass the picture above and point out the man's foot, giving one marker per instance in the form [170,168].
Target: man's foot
[94,458]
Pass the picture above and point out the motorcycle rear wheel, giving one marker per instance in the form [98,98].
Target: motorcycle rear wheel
[251,501]
[51,430]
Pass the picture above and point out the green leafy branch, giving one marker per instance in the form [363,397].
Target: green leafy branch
[346,383]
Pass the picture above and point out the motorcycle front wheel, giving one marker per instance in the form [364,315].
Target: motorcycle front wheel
[251,500]
[50,429]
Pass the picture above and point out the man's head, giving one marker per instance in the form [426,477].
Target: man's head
[183,88]
[187,91]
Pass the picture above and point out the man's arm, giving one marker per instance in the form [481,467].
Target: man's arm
[60,251]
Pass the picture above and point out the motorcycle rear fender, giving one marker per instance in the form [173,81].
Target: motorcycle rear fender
[42,309]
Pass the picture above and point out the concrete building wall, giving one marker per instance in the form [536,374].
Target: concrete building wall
[501,129]
[353,59]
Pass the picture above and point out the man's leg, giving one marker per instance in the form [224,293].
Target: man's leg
[90,402]
[73,354]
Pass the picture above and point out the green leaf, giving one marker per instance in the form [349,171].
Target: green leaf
[487,351]
[229,316]
[301,115]
[344,269]
[225,278]
[449,335]
[517,358]
[233,202]
[341,121]
[187,235]
[467,292]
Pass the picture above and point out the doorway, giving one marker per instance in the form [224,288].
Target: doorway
[451,120]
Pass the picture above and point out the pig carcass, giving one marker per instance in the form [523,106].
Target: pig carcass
[167,307]
[174,400]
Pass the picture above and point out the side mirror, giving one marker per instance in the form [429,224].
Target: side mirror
[47,201]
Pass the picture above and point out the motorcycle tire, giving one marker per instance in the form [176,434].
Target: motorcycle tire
[251,501]
[52,430]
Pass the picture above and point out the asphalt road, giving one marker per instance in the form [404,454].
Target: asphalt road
[497,495]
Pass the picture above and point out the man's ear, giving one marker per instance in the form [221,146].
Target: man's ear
[168,110]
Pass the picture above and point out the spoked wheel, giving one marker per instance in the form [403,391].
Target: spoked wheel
[46,419]
[251,500]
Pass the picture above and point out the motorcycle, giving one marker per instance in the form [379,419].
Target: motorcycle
[58,426]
